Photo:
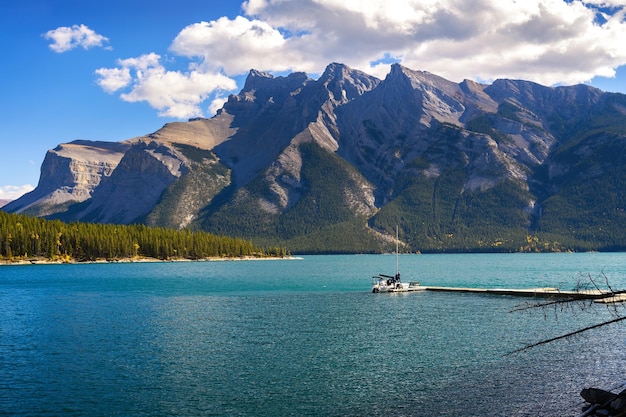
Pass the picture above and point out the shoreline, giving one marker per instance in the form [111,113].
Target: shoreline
[43,261]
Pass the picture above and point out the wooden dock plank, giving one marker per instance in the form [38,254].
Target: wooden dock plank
[524,292]
[618,298]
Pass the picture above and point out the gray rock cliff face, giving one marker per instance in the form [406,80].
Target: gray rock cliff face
[69,174]
[136,185]
[408,116]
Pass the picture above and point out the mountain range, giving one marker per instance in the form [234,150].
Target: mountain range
[333,165]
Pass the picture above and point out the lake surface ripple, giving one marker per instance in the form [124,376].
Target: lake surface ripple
[301,338]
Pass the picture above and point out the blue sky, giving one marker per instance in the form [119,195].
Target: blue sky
[75,69]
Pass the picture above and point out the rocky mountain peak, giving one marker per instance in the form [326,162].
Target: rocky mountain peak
[263,91]
[581,94]
[418,78]
[434,97]
[345,83]
[69,174]
[398,76]
[262,83]
[478,100]
[256,79]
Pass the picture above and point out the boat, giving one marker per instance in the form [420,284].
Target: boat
[393,283]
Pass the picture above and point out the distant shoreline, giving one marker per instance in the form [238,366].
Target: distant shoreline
[43,261]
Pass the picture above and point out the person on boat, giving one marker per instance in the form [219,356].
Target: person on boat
[397,279]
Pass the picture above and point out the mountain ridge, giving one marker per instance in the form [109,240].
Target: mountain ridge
[459,166]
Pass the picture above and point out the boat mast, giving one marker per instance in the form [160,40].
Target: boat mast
[397,271]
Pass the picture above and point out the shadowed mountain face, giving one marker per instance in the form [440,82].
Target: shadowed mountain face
[326,165]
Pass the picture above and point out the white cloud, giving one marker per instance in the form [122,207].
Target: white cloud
[113,79]
[236,45]
[174,93]
[217,104]
[546,41]
[13,192]
[66,38]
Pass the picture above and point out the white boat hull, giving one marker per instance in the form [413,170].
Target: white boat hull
[382,286]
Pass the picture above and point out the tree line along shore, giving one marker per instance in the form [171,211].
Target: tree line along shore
[31,239]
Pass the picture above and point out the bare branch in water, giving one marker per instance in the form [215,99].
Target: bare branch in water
[543,342]
[580,300]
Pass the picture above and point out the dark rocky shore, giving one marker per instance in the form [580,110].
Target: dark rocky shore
[604,403]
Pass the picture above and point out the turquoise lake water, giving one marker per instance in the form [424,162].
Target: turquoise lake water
[301,337]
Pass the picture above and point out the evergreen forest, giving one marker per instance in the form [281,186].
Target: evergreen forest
[30,238]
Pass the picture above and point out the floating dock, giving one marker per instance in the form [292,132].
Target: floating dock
[595,295]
